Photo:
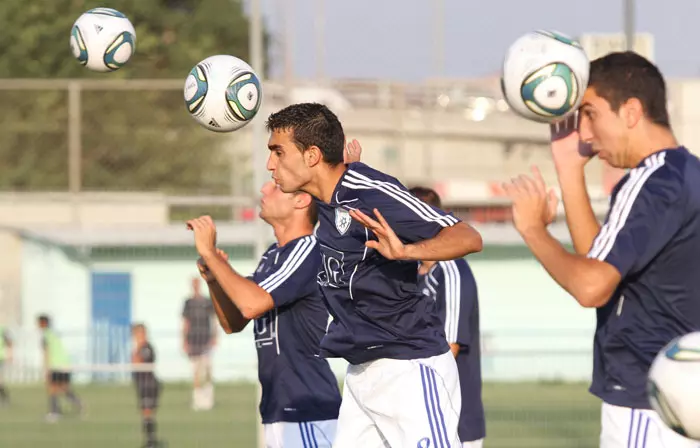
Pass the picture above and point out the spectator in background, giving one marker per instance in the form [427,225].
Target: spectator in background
[198,338]
[147,385]
[5,356]
[57,369]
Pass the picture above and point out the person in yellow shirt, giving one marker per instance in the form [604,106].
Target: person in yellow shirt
[57,370]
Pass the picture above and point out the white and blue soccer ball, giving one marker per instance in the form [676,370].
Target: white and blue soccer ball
[223,93]
[103,39]
[674,385]
[545,74]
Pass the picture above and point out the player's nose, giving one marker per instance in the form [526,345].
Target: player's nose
[271,164]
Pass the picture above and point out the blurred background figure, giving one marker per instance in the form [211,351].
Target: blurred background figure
[57,370]
[147,385]
[198,338]
[5,358]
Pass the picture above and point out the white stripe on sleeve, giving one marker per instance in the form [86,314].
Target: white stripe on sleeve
[605,241]
[357,181]
[453,298]
[296,258]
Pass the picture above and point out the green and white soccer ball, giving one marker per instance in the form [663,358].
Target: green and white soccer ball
[674,385]
[545,74]
[223,93]
[103,39]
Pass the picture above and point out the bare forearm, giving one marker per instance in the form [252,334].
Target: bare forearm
[451,243]
[578,275]
[230,317]
[250,299]
[580,218]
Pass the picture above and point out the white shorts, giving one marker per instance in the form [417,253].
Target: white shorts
[637,428]
[317,434]
[473,444]
[401,403]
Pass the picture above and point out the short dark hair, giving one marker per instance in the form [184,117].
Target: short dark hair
[312,124]
[312,210]
[44,319]
[138,326]
[427,195]
[619,76]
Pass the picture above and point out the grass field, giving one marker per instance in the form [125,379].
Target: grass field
[536,415]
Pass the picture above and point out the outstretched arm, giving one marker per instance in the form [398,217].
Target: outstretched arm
[454,241]
[249,299]
[229,316]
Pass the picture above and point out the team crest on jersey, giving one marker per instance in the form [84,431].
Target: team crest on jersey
[342,220]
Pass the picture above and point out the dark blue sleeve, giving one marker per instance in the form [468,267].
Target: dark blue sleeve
[411,219]
[296,276]
[646,213]
[458,293]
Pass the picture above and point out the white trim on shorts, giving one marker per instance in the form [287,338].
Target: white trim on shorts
[316,434]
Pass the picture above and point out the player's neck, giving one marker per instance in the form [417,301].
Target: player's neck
[326,182]
[286,232]
[656,139]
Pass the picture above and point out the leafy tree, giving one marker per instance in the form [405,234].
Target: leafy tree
[132,140]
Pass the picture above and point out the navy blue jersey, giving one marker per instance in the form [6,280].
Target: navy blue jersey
[652,237]
[378,310]
[297,385]
[451,285]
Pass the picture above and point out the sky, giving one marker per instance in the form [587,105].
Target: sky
[393,39]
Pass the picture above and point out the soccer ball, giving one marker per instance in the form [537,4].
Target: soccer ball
[103,39]
[544,76]
[222,93]
[674,385]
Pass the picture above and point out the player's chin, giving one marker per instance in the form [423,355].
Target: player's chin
[288,187]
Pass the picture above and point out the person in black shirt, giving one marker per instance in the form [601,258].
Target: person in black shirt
[147,385]
[198,339]
[640,268]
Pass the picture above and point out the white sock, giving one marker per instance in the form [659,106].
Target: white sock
[208,396]
[196,398]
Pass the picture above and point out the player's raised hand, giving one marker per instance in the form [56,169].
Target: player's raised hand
[353,152]
[387,244]
[204,235]
[533,206]
[568,151]
[204,269]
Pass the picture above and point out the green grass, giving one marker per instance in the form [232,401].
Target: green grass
[536,415]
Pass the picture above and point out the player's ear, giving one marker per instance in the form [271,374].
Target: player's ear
[632,112]
[313,156]
[302,200]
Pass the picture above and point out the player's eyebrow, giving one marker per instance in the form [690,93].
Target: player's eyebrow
[274,147]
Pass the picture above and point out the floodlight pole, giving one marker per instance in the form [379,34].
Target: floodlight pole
[629,23]
[259,149]
[320,31]
[258,146]
[439,37]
